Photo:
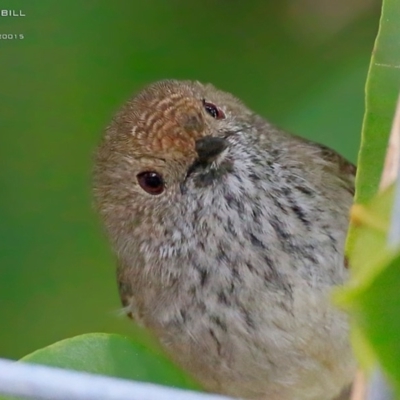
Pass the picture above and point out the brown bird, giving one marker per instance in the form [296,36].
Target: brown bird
[229,235]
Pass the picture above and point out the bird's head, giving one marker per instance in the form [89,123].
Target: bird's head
[166,145]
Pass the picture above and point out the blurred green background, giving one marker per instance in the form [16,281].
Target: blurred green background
[302,63]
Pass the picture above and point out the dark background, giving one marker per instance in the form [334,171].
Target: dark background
[301,63]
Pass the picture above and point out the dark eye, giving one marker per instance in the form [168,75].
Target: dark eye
[151,182]
[213,110]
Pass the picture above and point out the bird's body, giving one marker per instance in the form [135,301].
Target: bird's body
[230,265]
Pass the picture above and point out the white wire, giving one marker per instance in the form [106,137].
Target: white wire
[41,382]
[394,231]
[378,387]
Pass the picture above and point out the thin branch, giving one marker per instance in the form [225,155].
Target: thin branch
[392,159]
[359,387]
[41,382]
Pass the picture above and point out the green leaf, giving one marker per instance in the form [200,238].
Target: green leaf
[369,250]
[112,355]
[369,253]
[382,91]
[378,317]
[373,293]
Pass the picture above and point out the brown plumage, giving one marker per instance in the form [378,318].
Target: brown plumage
[229,235]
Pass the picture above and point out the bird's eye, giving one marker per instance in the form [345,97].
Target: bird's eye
[213,110]
[151,182]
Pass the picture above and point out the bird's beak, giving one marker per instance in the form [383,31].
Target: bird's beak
[210,147]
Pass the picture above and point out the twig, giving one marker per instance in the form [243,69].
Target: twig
[47,383]
[359,387]
[392,159]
